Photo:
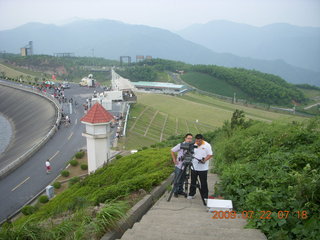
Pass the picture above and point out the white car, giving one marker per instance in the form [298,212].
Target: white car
[65,85]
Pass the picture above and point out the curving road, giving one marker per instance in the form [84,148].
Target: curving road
[31,178]
[32,118]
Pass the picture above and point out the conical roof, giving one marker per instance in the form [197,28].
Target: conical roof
[97,114]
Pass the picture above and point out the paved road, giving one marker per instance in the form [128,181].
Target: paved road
[31,178]
[32,117]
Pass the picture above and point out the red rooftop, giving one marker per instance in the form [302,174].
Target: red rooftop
[97,114]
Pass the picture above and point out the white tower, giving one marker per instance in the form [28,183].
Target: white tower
[97,132]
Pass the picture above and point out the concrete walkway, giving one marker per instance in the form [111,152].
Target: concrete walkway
[188,219]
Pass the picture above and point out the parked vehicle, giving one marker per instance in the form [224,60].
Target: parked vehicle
[87,81]
[65,85]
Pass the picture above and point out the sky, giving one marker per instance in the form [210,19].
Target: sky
[168,14]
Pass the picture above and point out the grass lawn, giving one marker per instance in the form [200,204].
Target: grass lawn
[156,117]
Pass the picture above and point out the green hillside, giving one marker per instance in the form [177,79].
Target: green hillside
[65,68]
[212,84]
[271,172]
[93,205]
[251,85]
[260,87]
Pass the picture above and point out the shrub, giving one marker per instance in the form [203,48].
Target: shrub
[43,199]
[73,162]
[118,156]
[28,210]
[79,155]
[84,166]
[73,180]
[56,185]
[65,173]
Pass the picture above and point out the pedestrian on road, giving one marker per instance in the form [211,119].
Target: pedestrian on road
[48,166]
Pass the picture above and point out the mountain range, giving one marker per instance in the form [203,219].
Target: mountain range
[112,39]
[298,46]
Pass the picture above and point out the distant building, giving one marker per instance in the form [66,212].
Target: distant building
[27,50]
[160,87]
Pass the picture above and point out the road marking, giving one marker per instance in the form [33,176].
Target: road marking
[70,136]
[20,184]
[75,123]
[54,155]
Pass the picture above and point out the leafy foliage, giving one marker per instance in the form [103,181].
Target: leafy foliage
[261,87]
[273,167]
[73,162]
[72,211]
[43,199]
[79,154]
[57,185]
[84,166]
[28,210]
[139,73]
[65,173]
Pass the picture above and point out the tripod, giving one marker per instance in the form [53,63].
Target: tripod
[187,167]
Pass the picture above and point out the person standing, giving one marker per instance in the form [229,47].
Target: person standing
[48,166]
[178,162]
[200,161]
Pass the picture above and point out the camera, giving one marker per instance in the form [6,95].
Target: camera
[189,147]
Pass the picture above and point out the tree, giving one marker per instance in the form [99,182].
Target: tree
[238,119]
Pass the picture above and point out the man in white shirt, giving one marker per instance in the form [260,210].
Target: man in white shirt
[200,161]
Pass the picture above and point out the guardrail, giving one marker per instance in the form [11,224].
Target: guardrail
[20,160]
[126,120]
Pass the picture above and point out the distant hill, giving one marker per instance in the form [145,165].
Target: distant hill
[111,39]
[299,46]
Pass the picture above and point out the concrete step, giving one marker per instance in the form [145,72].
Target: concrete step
[191,222]
[186,234]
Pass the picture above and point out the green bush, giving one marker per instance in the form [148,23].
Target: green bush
[56,185]
[142,170]
[28,210]
[73,162]
[65,173]
[84,166]
[74,180]
[118,156]
[79,155]
[276,168]
[43,199]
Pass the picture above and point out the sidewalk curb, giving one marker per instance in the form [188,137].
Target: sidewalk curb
[138,210]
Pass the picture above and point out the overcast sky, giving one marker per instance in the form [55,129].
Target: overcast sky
[168,14]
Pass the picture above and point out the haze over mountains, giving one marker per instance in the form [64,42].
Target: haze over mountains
[299,46]
[112,39]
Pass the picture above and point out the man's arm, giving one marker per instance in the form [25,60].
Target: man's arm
[174,158]
[207,158]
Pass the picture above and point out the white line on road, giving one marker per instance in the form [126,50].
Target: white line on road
[54,155]
[70,136]
[20,184]
[75,123]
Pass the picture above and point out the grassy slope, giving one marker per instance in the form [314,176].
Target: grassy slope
[14,72]
[207,109]
[311,93]
[211,84]
[182,114]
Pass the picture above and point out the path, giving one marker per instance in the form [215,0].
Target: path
[183,219]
